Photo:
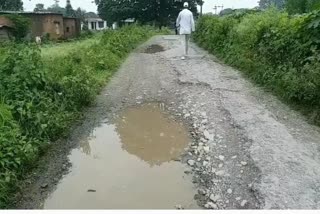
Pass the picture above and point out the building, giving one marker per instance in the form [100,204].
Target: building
[52,24]
[96,24]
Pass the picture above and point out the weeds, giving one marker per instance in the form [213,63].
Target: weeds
[41,94]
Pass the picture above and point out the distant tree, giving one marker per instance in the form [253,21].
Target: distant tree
[13,5]
[296,6]
[302,6]
[91,15]
[69,10]
[39,7]
[264,4]
[158,11]
[313,5]
[226,11]
[81,14]
[57,9]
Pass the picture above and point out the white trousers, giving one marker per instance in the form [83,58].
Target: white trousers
[186,38]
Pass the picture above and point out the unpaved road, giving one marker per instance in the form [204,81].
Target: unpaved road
[245,149]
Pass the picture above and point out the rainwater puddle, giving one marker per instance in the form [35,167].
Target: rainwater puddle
[128,165]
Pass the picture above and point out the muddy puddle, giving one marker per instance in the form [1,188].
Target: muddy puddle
[128,165]
[154,49]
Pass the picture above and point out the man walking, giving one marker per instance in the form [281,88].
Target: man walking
[185,23]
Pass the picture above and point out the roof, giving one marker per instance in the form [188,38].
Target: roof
[31,13]
[94,19]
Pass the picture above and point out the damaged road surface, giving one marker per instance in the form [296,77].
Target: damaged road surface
[167,133]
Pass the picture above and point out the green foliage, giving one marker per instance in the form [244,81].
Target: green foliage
[11,5]
[41,94]
[21,26]
[161,11]
[279,4]
[302,6]
[275,50]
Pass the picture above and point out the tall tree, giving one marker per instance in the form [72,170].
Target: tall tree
[302,6]
[69,9]
[12,5]
[39,7]
[159,11]
[81,14]
[56,9]
[264,4]
[296,6]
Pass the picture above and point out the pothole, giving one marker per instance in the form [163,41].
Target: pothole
[128,165]
[154,49]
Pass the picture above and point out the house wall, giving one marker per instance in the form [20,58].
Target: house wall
[53,24]
[71,27]
[46,23]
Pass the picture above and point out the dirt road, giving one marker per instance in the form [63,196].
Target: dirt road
[244,148]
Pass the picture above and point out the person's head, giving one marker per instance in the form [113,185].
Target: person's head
[186,5]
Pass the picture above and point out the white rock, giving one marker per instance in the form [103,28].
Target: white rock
[179,207]
[208,158]
[205,121]
[200,144]
[208,135]
[199,159]
[201,192]
[214,198]
[191,162]
[234,157]
[243,163]
[206,149]
[211,205]
[213,170]
[238,198]
[229,191]
[205,163]
[186,115]
[220,173]
[243,203]
[220,165]
[221,157]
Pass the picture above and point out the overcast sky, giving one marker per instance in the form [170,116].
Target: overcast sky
[89,6]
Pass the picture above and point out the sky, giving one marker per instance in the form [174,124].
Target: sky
[88,5]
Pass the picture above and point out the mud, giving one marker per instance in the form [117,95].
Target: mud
[155,48]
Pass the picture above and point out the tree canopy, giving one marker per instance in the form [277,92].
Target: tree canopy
[264,4]
[302,6]
[13,5]
[160,11]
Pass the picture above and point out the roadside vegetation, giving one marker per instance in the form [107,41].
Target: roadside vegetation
[275,49]
[43,91]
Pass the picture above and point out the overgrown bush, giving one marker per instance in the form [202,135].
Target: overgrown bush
[41,96]
[21,26]
[276,50]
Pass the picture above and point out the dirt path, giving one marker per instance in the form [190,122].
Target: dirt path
[246,149]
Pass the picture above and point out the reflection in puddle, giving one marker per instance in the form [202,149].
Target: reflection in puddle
[127,166]
[148,134]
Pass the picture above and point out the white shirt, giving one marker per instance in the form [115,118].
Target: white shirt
[185,22]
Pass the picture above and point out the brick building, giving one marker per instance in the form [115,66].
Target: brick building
[53,24]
